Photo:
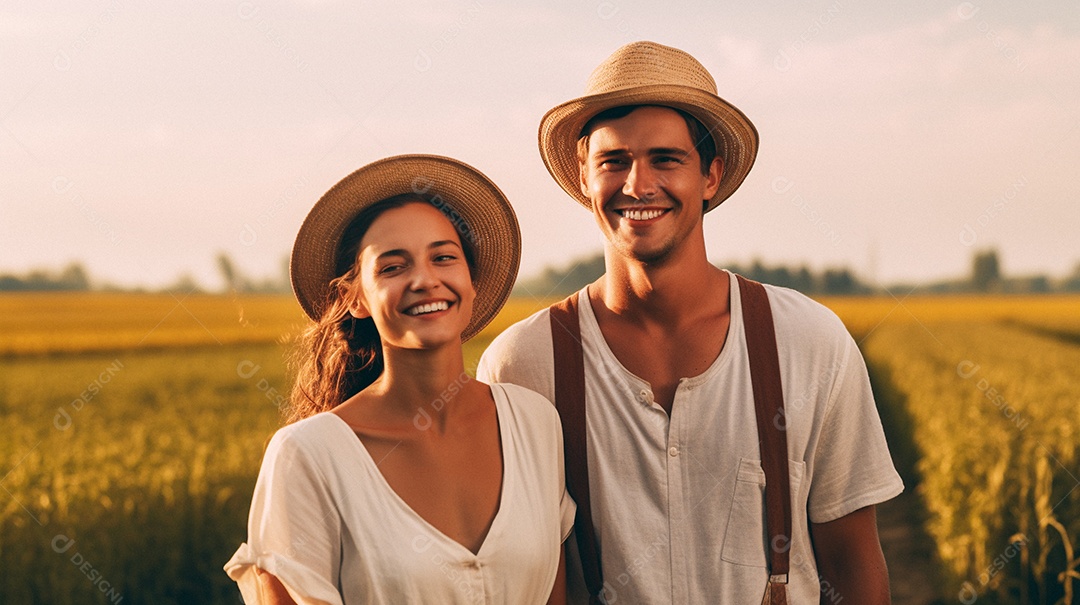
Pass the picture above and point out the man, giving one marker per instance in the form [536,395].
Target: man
[672,443]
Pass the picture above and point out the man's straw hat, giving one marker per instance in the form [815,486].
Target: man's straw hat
[461,191]
[647,73]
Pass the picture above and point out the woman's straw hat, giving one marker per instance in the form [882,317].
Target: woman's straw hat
[647,73]
[459,190]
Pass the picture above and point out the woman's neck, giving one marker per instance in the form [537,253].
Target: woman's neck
[421,381]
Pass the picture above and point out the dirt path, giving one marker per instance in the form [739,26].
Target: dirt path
[909,552]
[914,571]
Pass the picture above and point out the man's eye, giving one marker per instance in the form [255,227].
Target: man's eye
[612,163]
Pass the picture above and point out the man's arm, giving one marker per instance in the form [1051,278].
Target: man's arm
[850,560]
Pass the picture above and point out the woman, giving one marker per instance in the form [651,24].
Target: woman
[400,479]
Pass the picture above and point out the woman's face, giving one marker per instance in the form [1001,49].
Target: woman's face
[413,279]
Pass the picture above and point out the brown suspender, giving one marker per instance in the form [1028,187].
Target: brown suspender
[771,426]
[570,402]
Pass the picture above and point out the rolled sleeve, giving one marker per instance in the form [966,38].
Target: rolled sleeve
[294,529]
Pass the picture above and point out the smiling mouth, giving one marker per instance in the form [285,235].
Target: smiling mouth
[636,214]
[424,309]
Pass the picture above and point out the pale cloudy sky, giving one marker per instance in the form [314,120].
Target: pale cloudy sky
[144,138]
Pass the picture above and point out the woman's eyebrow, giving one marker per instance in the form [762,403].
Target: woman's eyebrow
[394,252]
[444,242]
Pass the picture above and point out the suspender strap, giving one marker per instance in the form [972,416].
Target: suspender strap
[772,436]
[570,402]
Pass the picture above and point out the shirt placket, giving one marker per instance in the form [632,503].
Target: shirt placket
[678,507]
[473,573]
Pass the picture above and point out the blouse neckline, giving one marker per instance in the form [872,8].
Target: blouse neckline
[502,417]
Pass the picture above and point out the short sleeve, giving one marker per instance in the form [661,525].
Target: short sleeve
[852,465]
[522,355]
[294,529]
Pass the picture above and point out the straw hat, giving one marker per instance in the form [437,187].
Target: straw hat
[647,73]
[458,189]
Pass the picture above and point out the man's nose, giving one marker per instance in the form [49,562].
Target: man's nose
[642,182]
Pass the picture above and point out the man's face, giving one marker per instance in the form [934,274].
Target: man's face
[643,177]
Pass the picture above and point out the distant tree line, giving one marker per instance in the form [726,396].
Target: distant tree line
[985,277]
[71,278]
[237,281]
[566,280]
[75,278]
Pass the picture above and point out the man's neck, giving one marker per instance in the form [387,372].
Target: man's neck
[668,293]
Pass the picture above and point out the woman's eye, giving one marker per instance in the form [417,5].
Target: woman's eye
[445,258]
[390,268]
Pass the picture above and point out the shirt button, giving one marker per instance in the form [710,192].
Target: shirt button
[673,451]
[643,396]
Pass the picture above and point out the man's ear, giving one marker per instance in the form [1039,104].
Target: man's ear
[583,172]
[712,180]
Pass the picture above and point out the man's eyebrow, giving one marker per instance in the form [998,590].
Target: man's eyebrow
[620,151]
[669,151]
[612,152]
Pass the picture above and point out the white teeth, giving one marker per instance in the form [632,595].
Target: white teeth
[442,305]
[641,215]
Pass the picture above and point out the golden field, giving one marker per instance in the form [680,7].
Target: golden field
[134,427]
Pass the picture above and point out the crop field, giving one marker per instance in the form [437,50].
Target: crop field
[986,389]
[133,427]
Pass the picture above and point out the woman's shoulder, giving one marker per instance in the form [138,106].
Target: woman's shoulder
[306,437]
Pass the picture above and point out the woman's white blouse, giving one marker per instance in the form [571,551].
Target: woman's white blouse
[326,523]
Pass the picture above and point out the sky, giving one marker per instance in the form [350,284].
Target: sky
[143,139]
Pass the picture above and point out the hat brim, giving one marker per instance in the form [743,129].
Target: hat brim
[440,180]
[734,134]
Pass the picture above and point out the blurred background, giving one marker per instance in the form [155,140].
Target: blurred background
[916,174]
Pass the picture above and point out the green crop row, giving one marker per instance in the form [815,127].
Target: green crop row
[994,416]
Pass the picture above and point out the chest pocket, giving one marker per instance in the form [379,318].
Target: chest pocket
[745,538]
